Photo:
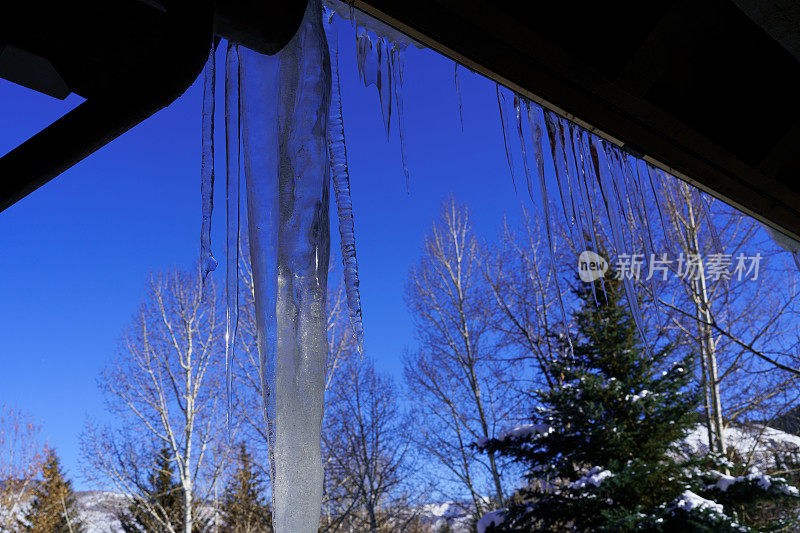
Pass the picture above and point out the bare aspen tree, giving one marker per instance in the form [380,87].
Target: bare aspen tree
[164,388]
[368,448]
[458,385]
[518,274]
[740,325]
[21,456]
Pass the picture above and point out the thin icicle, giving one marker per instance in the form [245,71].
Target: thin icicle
[340,176]
[458,95]
[232,158]
[555,135]
[584,179]
[539,151]
[366,57]
[652,177]
[589,183]
[641,215]
[397,68]
[505,123]
[609,169]
[381,63]
[207,261]
[374,69]
[384,82]
[572,155]
[518,105]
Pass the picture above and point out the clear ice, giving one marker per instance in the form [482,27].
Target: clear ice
[233,166]
[583,164]
[285,133]
[380,53]
[285,105]
[207,261]
[340,176]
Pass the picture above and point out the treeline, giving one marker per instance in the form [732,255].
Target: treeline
[505,407]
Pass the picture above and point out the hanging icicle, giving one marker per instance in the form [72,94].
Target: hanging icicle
[609,179]
[561,159]
[232,159]
[341,185]
[398,64]
[285,106]
[380,54]
[787,243]
[506,114]
[458,94]
[583,163]
[538,149]
[207,261]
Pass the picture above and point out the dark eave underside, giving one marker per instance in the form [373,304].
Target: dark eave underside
[694,86]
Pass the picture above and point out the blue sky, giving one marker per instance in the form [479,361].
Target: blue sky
[75,254]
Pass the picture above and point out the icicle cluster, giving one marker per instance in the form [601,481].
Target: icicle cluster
[380,52]
[586,167]
[381,63]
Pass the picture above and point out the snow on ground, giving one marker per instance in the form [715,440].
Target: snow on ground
[99,510]
[756,445]
[495,518]
[436,515]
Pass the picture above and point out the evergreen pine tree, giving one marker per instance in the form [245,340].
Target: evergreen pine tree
[601,451]
[243,507]
[53,508]
[162,497]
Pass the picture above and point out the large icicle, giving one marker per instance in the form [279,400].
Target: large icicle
[207,261]
[232,160]
[258,87]
[341,185]
[285,110]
